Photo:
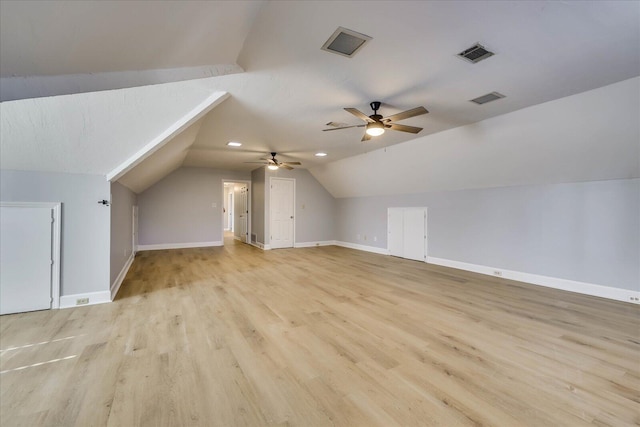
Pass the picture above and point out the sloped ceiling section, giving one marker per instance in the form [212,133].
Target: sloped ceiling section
[162,162]
[105,132]
[590,136]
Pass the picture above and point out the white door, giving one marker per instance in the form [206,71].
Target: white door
[407,233]
[282,212]
[134,229]
[26,244]
[414,234]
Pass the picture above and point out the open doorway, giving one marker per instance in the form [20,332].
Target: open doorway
[236,218]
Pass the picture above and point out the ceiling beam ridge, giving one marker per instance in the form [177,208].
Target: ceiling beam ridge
[176,128]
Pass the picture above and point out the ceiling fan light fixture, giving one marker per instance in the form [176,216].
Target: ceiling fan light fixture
[320,154]
[234,144]
[375,129]
[273,167]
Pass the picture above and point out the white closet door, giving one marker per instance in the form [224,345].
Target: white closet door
[414,234]
[25,259]
[395,233]
[282,207]
[407,233]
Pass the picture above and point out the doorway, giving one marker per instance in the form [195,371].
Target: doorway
[236,210]
[282,223]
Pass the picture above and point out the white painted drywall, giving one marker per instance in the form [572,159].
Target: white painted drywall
[96,132]
[314,210]
[587,232]
[258,200]
[591,136]
[162,162]
[122,202]
[85,223]
[178,209]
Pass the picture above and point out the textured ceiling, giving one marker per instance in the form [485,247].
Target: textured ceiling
[545,50]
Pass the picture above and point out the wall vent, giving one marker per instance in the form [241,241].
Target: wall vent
[487,98]
[475,53]
[345,42]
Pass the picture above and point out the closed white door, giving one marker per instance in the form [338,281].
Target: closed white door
[26,237]
[282,213]
[134,228]
[414,231]
[407,233]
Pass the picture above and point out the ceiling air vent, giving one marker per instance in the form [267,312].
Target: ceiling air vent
[345,42]
[487,98]
[475,53]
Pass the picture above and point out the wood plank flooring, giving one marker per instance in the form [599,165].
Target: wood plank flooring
[328,336]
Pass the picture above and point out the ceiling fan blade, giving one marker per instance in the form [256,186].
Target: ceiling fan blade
[359,114]
[418,111]
[291,163]
[282,165]
[262,163]
[366,137]
[345,127]
[404,128]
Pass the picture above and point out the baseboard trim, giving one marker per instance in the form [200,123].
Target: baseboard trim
[115,286]
[617,294]
[178,246]
[314,244]
[375,250]
[68,301]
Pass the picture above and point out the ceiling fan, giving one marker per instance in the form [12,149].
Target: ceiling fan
[376,124]
[273,163]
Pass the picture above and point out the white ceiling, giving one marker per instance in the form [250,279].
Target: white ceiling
[545,50]
[53,37]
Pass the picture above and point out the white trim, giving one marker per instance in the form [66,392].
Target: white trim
[56,241]
[156,143]
[68,301]
[549,282]
[162,246]
[375,250]
[314,244]
[115,286]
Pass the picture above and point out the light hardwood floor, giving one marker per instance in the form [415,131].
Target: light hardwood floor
[319,337]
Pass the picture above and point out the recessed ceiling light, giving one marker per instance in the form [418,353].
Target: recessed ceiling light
[320,154]
[234,144]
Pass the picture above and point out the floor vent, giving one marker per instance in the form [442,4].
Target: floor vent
[475,53]
[487,98]
[345,42]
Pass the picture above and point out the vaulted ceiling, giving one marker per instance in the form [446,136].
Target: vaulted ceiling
[84,63]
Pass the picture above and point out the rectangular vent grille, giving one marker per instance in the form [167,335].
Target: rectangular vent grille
[487,98]
[345,42]
[475,53]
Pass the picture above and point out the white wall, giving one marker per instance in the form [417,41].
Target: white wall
[85,223]
[590,136]
[178,209]
[587,232]
[122,202]
[258,197]
[314,208]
